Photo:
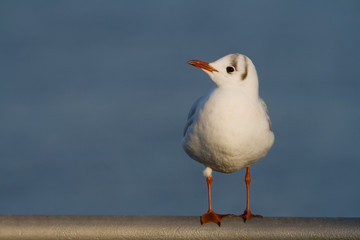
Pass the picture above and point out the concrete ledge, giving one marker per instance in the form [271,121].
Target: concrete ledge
[160,227]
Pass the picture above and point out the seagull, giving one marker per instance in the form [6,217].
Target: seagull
[228,128]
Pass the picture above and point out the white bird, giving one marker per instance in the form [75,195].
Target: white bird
[228,128]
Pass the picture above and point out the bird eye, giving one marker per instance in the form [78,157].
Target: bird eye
[230,69]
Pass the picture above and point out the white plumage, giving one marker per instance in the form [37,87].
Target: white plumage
[229,128]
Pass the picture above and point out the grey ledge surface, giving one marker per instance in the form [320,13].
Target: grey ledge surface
[166,227]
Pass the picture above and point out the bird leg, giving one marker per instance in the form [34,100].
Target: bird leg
[211,216]
[247,213]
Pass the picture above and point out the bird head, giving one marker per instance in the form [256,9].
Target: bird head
[233,70]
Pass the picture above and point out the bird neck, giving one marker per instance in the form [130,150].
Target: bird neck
[251,87]
[251,83]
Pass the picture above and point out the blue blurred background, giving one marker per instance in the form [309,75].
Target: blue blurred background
[94,96]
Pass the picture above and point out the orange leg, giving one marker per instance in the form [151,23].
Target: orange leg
[247,213]
[211,216]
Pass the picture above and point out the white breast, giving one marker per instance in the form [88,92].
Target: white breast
[229,131]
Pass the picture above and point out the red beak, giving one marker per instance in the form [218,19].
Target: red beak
[203,65]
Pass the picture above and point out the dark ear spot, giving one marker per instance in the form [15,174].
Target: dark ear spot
[244,75]
[234,61]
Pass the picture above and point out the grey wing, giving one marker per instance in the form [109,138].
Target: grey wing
[263,105]
[191,115]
